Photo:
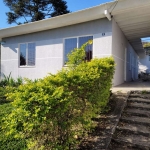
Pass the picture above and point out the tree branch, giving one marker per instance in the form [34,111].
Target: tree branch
[25,18]
[49,10]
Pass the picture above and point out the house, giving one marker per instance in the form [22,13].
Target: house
[35,49]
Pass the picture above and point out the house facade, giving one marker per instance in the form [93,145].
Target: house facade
[36,49]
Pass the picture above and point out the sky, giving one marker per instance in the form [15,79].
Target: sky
[73,5]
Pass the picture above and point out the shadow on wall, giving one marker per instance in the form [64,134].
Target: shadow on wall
[13,48]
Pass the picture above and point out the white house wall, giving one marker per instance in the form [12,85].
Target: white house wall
[123,72]
[49,48]
[102,45]
[144,63]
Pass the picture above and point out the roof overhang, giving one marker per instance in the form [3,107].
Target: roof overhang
[93,13]
[132,16]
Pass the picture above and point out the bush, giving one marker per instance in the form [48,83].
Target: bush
[57,111]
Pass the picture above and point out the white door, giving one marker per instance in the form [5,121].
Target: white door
[133,72]
[125,65]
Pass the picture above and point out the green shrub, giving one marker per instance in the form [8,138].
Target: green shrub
[57,111]
[9,142]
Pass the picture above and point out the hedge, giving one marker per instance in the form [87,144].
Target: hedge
[56,112]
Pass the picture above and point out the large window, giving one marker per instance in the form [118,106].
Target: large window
[72,43]
[27,54]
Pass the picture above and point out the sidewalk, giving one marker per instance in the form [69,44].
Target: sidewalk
[132,86]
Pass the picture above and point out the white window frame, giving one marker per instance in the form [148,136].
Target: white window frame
[77,45]
[26,66]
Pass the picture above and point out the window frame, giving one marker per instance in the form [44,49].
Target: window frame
[26,66]
[77,45]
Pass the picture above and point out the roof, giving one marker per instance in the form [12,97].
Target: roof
[89,14]
[132,16]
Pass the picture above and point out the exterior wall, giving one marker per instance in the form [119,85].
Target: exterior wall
[125,57]
[144,64]
[50,48]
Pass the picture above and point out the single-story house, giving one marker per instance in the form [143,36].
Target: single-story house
[35,49]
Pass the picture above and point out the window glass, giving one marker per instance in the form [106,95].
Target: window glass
[23,54]
[70,44]
[31,54]
[89,48]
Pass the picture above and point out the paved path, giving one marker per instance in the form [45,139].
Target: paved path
[133,130]
[132,86]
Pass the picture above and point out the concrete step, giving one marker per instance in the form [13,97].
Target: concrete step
[136,120]
[147,96]
[139,105]
[134,129]
[139,100]
[137,112]
[139,142]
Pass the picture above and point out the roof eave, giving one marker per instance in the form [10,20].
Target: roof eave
[56,22]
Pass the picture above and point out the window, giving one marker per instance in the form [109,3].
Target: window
[89,48]
[72,43]
[27,54]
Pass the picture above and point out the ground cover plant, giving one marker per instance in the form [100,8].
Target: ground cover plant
[56,112]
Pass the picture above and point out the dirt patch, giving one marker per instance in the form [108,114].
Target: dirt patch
[100,137]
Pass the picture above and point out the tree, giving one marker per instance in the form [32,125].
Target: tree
[34,10]
[146,44]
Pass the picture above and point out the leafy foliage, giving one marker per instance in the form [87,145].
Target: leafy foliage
[146,44]
[77,56]
[34,10]
[9,142]
[9,81]
[57,111]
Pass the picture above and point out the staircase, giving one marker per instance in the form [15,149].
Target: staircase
[133,130]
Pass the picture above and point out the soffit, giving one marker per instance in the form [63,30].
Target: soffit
[133,17]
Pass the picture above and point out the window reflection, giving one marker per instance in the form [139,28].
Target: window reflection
[31,54]
[70,44]
[22,54]
[89,48]
[27,54]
